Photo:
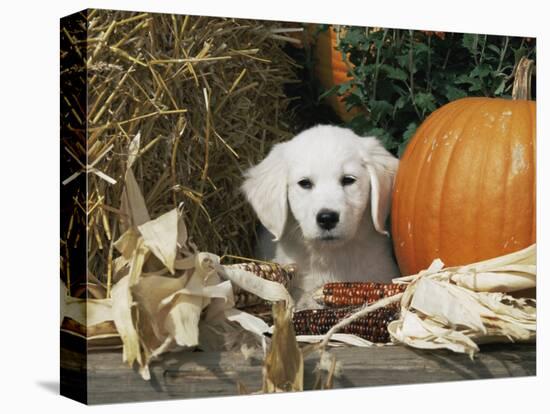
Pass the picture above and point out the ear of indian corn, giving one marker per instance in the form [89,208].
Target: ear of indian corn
[372,327]
[337,294]
[268,271]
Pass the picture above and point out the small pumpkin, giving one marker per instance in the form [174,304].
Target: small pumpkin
[465,188]
[331,69]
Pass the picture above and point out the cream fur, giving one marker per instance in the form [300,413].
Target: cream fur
[358,247]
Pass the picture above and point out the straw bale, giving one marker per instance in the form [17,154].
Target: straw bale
[206,96]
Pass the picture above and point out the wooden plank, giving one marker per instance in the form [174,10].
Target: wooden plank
[205,374]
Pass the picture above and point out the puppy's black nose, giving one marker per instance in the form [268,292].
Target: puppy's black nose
[327,219]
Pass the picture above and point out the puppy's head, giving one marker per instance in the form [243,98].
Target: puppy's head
[327,176]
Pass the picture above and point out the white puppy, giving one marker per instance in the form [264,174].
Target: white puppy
[325,195]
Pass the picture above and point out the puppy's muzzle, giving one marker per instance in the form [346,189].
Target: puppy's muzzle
[327,219]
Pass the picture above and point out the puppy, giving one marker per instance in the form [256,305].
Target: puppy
[325,197]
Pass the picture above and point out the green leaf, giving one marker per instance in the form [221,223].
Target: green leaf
[354,37]
[394,73]
[425,101]
[475,83]
[376,132]
[409,132]
[494,48]
[469,41]
[379,109]
[461,65]
[360,124]
[519,53]
[385,138]
[500,88]
[462,79]
[401,101]
[453,93]
[344,87]
[354,98]
[403,60]
[329,92]
[407,136]
[481,71]
[420,49]
[401,149]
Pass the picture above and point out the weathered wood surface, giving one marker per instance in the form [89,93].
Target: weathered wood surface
[207,374]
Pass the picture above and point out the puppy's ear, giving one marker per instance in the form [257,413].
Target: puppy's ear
[382,167]
[265,187]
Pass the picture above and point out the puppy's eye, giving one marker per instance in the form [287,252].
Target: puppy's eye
[348,180]
[305,183]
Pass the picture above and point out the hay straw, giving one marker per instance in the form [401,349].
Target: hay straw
[206,95]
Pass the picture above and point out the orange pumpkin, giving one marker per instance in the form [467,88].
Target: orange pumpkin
[465,188]
[331,69]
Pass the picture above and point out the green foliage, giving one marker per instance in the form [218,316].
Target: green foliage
[401,76]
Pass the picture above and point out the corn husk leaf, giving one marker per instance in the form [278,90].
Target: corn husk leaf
[85,311]
[122,315]
[337,340]
[265,289]
[136,262]
[172,311]
[169,309]
[460,307]
[509,273]
[98,311]
[133,207]
[155,311]
[185,305]
[247,321]
[126,243]
[284,365]
[126,246]
[160,236]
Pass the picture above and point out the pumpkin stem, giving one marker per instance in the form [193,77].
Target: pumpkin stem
[522,79]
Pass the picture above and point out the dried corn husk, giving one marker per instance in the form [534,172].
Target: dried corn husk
[458,308]
[509,273]
[85,311]
[172,311]
[166,292]
[284,365]
[443,315]
[268,271]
